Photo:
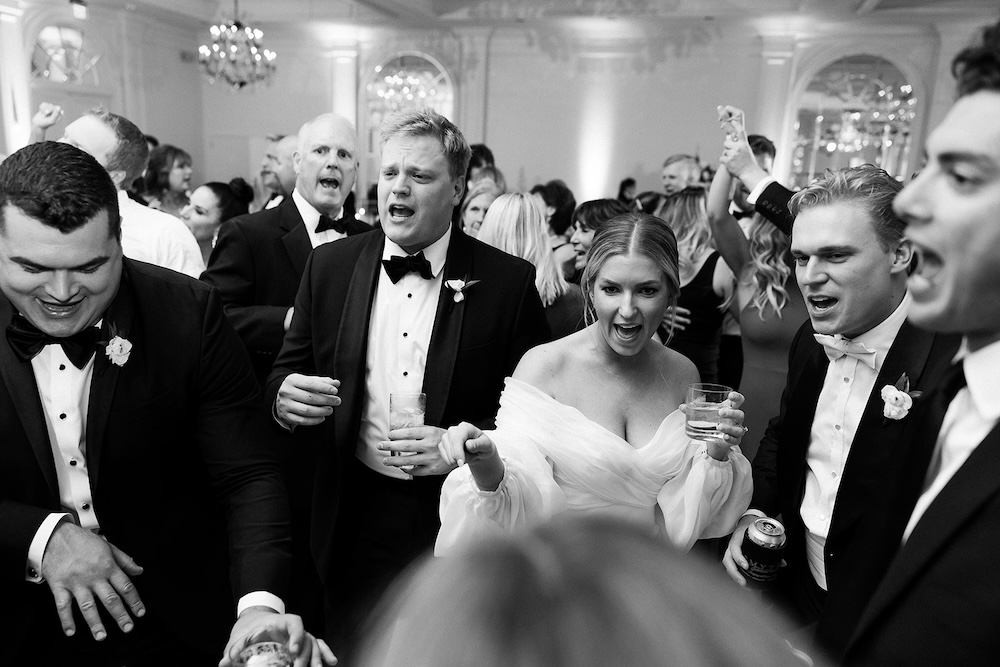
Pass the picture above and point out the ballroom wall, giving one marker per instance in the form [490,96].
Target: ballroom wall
[587,101]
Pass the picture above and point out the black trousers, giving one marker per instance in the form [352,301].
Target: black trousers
[384,525]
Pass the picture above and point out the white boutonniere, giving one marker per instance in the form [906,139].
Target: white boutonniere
[898,399]
[118,349]
[459,287]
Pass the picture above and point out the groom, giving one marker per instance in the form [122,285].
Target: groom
[416,307]
[138,503]
[826,454]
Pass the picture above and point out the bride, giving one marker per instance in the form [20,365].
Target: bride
[587,423]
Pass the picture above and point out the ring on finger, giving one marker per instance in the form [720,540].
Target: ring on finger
[745,429]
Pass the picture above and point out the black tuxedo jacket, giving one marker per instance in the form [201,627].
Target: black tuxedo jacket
[936,599]
[779,469]
[181,478]
[773,205]
[256,265]
[474,345]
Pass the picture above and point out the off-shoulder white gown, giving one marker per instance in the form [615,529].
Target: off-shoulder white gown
[557,459]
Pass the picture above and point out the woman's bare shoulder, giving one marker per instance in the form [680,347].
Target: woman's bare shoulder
[676,370]
[541,366]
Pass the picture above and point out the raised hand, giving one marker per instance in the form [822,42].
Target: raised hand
[47,115]
[82,567]
[306,400]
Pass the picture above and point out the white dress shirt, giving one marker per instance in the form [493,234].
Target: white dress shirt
[972,414]
[399,334]
[846,390]
[159,238]
[310,216]
[64,391]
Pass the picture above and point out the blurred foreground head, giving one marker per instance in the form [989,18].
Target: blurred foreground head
[577,591]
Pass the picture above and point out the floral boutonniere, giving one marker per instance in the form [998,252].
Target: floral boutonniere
[459,287]
[898,399]
[118,348]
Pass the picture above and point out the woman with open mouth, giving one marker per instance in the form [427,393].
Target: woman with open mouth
[589,423]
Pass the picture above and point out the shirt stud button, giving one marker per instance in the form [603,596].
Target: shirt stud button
[72,462]
[62,416]
[405,373]
[62,367]
[85,506]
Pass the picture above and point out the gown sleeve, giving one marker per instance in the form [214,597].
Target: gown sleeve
[527,495]
[707,497]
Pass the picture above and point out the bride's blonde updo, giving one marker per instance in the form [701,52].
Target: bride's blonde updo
[631,233]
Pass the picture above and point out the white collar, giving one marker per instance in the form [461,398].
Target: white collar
[308,213]
[982,372]
[881,337]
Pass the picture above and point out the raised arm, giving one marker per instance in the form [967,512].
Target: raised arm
[729,239]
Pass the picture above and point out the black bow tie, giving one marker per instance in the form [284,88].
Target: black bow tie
[739,214]
[326,223]
[396,267]
[26,340]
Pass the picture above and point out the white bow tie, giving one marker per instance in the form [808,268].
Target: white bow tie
[838,346]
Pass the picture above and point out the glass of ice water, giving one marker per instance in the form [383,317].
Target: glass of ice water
[406,410]
[703,402]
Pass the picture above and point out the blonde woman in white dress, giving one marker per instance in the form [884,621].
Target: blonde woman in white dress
[590,423]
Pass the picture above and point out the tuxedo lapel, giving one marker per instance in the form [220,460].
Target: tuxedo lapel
[974,484]
[118,321]
[908,354]
[20,381]
[296,240]
[351,353]
[876,438]
[446,335]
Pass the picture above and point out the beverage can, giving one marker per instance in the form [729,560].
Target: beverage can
[763,547]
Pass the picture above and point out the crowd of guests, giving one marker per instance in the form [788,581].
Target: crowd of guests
[184,450]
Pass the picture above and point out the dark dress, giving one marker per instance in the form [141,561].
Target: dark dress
[565,314]
[699,341]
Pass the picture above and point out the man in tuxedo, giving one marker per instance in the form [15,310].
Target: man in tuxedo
[417,306]
[258,260]
[120,147]
[928,585]
[257,264]
[825,455]
[277,167]
[136,471]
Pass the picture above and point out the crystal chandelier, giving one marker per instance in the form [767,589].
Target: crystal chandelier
[236,55]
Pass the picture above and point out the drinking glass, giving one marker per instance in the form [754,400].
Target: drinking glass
[703,402]
[406,410]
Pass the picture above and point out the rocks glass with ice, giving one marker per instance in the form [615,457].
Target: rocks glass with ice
[406,410]
[703,402]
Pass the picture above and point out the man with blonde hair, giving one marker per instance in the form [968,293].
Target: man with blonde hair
[417,306]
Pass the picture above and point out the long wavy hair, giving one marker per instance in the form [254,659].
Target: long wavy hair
[771,268]
[516,224]
[685,214]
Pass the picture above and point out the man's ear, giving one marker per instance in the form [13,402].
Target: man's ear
[459,184]
[118,178]
[296,161]
[902,257]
